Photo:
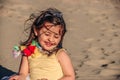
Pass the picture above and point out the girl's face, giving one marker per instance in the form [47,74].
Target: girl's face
[49,36]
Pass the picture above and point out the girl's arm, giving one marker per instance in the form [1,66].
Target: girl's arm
[66,65]
[23,72]
[24,69]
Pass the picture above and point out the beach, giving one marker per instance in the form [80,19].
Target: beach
[92,39]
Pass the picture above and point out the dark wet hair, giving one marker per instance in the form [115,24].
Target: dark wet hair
[51,15]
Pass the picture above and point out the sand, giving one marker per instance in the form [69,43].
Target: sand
[92,40]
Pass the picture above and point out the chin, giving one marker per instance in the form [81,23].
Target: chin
[48,49]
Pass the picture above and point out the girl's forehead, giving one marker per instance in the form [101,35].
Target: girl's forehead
[49,25]
[52,28]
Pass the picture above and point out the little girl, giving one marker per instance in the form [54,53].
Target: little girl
[43,56]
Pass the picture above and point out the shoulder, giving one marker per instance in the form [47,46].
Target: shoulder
[62,50]
[62,54]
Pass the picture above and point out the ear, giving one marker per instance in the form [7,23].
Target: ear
[35,31]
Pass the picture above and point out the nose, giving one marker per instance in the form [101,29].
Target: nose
[51,38]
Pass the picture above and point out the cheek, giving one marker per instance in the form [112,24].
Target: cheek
[41,39]
[58,40]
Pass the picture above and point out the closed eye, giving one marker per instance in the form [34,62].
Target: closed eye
[47,33]
[56,36]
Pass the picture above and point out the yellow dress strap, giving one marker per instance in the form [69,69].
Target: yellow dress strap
[60,50]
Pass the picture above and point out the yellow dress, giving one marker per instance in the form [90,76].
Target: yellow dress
[43,66]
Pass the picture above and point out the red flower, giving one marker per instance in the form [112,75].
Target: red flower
[29,50]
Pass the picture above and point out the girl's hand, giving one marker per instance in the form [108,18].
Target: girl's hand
[14,77]
[17,77]
[42,79]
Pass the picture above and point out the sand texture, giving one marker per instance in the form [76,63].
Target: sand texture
[92,40]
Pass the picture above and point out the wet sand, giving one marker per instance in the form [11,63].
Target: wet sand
[92,40]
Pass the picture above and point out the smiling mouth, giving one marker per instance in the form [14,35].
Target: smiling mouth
[49,44]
